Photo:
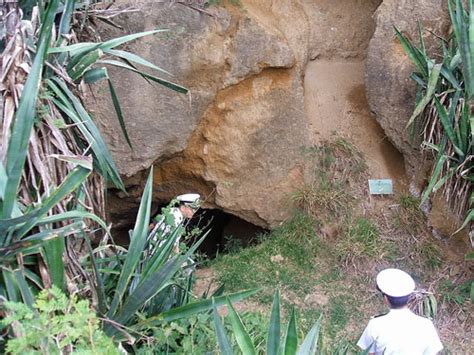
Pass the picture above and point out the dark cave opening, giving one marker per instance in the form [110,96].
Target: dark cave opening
[226,232]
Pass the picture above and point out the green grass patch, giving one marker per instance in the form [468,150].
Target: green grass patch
[332,275]
[431,255]
[341,314]
[409,216]
[338,313]
[362,238]
[455,293]
[285,258]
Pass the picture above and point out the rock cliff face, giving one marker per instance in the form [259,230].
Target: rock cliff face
[236,138]
[390,91]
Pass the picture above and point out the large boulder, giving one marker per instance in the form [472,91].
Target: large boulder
[390,91]
[235,138]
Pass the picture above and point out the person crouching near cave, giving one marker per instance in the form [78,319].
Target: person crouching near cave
[172,217]
[400,331]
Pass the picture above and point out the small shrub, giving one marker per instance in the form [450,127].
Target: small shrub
[457,294]
[232,245]
[55,325]
[192,335]
[431,255]
[196,335]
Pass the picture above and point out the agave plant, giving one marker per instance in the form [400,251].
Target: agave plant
[445,107]
[54,164]
[274,345]
[147,278]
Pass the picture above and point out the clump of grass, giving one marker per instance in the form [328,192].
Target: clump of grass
[409,216]
[362,239]
[431,255]
[285,258]
[337,159]
[334,164]
[322,195]
[354,160]
[455,293]
[331,275]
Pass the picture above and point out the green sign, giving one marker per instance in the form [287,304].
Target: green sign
[381,187]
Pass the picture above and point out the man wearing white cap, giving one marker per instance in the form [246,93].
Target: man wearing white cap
[188,204]
[400,331]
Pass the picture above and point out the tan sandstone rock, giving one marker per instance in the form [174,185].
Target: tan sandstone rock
[236,138]
[390,91]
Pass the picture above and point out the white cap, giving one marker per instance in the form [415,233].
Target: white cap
[188,198]
[395,282]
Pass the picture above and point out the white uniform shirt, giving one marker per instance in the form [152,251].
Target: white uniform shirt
[400,332]
[177,219]
[166,228]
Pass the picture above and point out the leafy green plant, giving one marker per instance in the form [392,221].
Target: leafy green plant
[190,335]
[444,109]
[56,324]
[274,343]
[196,334]
[54,164]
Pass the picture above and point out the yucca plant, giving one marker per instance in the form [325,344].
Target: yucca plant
[54,164]
[274,345]
[444,111]
[147,282]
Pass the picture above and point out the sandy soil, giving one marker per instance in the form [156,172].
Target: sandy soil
[336,104]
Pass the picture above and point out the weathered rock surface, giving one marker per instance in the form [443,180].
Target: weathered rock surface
[390,91]
[236,138]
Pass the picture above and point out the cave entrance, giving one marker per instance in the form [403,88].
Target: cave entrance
[227,232]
